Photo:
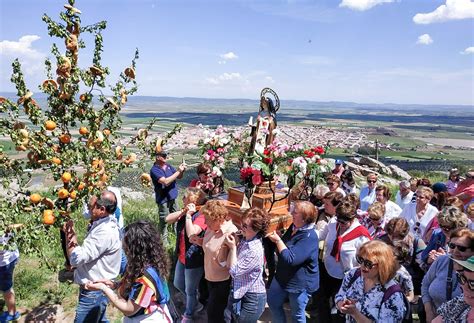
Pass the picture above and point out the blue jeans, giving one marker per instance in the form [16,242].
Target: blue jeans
[249,308]
[278,296]
[6,276]
[186,280]
[91,307]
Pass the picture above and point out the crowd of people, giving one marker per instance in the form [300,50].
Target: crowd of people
[347,256]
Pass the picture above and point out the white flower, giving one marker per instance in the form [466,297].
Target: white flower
[323,162]
[216,170]
[224,141]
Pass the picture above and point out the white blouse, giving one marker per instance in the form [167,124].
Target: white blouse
[418,227]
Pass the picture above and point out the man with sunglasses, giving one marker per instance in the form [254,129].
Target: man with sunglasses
[367,193]
[461,308]
[164,177]
[98,258]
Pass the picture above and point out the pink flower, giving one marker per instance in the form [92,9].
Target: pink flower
[257,179]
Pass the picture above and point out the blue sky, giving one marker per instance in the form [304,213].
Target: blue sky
[366,51]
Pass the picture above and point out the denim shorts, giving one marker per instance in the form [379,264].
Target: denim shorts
[6,276]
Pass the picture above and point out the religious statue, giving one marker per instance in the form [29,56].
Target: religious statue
[262,132]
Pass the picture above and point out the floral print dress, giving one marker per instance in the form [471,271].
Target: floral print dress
[455,310]
[370,303]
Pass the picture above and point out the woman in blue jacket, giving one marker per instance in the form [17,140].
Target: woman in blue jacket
[297,273]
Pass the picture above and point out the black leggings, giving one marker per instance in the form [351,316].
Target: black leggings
[328,288]
[217,303]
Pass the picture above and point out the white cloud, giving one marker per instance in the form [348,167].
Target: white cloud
[424,39]
[229,56]
[362,5]
[452,10]
[467,51]
[30,58]
[223,78]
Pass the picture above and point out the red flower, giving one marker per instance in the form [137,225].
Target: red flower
[245,173]
[266,152]
[257,179]
[309,153]
[268,160]
[319,150]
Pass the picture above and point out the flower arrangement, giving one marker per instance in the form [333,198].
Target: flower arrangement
[215,147]
[280,160]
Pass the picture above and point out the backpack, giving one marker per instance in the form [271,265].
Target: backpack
[388,292]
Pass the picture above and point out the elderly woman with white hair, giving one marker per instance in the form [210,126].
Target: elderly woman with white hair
[404,195]
[449,219]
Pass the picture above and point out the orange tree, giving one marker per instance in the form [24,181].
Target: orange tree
[75,138]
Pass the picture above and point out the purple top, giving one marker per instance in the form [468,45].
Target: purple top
[247,271]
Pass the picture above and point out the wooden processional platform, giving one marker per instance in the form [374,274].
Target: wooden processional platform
[280,216]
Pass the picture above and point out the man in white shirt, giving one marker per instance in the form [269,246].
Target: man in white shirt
[404,195]
[97,258]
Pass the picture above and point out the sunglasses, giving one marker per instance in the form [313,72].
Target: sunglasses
[330,183]
[446,228]
[343,220]
[378,221]
[364,262]
[460,248]
[372,181]
[463,280]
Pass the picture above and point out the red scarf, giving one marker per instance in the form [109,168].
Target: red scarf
[355,233]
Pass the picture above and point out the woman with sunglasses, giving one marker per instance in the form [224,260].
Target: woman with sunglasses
[189,267]
[367,193]
[245,263]
[440,283]
[297,273]
[461,308]
[334,182]
[376,220]
[209,184]
[343,236]
[419,215]
[449,219]
[369,293]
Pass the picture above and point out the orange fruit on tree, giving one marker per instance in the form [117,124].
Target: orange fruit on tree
[35,198]
[48,217]
[56,160]
[63,193]
[66,177]
[83,131]
[65,138]
[81,186]
[73,195]
[50,125]
[106,132]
